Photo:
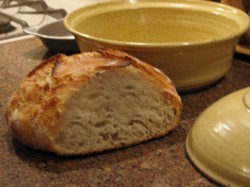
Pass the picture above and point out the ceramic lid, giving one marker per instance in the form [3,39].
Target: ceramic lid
[219,142]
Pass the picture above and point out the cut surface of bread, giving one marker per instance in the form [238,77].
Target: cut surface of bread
[91,102]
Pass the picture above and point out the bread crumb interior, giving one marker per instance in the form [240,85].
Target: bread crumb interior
[116,108]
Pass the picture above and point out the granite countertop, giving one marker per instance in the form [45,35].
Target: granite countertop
[158,162]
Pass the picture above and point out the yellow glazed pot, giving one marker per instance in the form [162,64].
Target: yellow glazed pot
[191,41]
[218,143]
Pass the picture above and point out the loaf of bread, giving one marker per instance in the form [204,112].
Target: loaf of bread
[91,102]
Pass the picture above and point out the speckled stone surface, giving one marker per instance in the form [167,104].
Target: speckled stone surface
[159,162]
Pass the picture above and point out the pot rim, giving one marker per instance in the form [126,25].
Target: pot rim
[220,9]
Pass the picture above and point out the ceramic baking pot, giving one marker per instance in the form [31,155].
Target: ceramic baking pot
[191,41]
[218,143]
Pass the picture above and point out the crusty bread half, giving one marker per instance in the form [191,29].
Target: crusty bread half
[91,102]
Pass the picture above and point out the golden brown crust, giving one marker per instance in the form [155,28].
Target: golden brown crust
[35,118]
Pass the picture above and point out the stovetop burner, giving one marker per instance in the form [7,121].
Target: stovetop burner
[18,14]
[5,25]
